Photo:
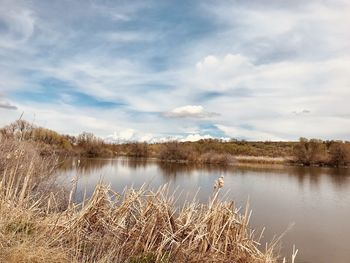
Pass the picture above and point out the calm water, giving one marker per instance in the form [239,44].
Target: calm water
[314,201]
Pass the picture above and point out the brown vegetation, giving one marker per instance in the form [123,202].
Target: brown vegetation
[305,152]
[137,226]
[176,151]
[318,152]
[138,149]
[88,145]
[339,154]
[260,160]
[51,142]
[18,160]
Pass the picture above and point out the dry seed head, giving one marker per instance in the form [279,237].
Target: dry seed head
[219,183]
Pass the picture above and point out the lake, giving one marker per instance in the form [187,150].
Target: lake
[312,203]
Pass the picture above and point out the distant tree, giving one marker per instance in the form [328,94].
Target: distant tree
[137,149]
[92,146]
[175,151]
[310,152]
[339,153]
[20,129]
[86,138]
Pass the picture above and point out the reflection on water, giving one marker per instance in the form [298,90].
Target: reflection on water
[315,200]
[313,175]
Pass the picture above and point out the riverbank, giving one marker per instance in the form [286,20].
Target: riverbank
[306,152]
[40,223]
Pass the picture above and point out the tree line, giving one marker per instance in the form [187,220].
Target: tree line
[85,144]
[305,152]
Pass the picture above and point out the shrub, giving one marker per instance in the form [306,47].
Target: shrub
[175,151]
[138,149]
[339,154]
[216,158]
[310,152]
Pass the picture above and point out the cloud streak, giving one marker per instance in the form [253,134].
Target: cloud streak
[6,105]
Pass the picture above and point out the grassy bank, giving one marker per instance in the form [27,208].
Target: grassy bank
[39,223]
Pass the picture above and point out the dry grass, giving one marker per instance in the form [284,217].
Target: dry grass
[261,159]
[136,226]
[216,158]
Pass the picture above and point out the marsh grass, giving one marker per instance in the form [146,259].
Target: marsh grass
[261,159]
[138,225]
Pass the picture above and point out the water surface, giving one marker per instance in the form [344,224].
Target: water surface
[314,202]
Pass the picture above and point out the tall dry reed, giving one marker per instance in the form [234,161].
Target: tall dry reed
[135,226]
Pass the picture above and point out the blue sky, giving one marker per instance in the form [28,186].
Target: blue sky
[152,70]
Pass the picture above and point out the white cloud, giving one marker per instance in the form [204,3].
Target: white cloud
[263,95]
[309,126]
[62,118]
[235,71]
[18,24]
[207,62]
[234,61]
[305,29]
[297,112]
[131,135]
[190,111]
[241,133]
[127,36]
[195,137]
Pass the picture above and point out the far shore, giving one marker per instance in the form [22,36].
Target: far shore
[305,152]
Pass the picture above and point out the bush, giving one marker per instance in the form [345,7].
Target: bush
[339,154]
[216,158]
[138,149]
[310,152]
[175,151]
[91,146]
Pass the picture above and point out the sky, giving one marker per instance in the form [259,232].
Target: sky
[157,70]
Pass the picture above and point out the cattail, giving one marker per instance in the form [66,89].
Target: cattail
[219,183]
[74,180]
